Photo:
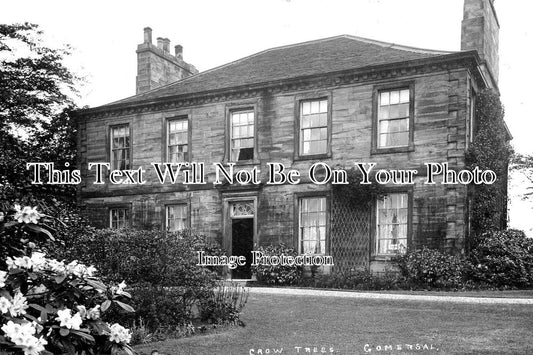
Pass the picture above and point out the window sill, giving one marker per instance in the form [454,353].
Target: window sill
[312,157]
[243,162]
[384,257]
[410,148]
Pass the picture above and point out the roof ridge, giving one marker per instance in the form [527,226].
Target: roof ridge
[397,46]
[227,64]
[292,45]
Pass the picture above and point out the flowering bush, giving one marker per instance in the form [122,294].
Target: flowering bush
[429,268]
[278,274]
[49,306]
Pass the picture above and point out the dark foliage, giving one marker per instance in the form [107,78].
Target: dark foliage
[224,305]
[489,150]
[356,280]
[160,267]
[36,104]
[503,259]
[360,195]
[431,269]
[278,274]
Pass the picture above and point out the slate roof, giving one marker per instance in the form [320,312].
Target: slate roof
[287,62]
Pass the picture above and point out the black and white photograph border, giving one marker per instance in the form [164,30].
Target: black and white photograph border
[266,177]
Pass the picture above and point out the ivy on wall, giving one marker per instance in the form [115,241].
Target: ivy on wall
[490,149]
[357,194]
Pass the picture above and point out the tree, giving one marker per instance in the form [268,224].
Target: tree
[36,101]
[523,164]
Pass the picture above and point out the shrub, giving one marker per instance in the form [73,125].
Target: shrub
[503,259]
[49,306]
[161,268]
[224,304]
[356,279]
[278,274]
[429,268]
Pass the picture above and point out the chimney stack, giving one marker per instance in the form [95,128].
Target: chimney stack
[148,35]
[160,41]
[166,45]
[178,51]
[156,66]
[480,31]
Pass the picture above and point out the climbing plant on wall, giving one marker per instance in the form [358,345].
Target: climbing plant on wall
[490,149]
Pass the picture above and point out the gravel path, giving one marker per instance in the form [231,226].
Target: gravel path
[388,296]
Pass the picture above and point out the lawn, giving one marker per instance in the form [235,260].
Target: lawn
[345,326]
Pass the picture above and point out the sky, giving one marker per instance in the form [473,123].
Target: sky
[105,35]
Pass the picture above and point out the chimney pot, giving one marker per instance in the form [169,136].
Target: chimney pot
[160,42]
[178,50]
[148,35]
[166,45]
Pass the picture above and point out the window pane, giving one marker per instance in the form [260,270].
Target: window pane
[176,217]
[384,98]
[391,226]
[314,122]
[315,106]
[394,97]
[118,218]
[306,122]
[323,106]
[404,95]
[384,112]
[313,225]
[306,107]
[242,135]
[393,118]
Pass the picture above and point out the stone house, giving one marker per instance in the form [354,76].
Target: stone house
[337,100]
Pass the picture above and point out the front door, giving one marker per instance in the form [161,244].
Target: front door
[242,236]
[242,233]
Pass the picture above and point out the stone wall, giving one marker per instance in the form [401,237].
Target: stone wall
[440,116]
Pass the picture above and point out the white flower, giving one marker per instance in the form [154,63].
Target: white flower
[75,321]
[3,278]
[22,262]
[22,335]
[90,271]
[18,305]
[66,319]
[38,261]
[82,311]
[56,266]
[27,214]
[80,270]
[120,288]
[119,334]
[34,346]
[94,313]
[4,305]
[63,316]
